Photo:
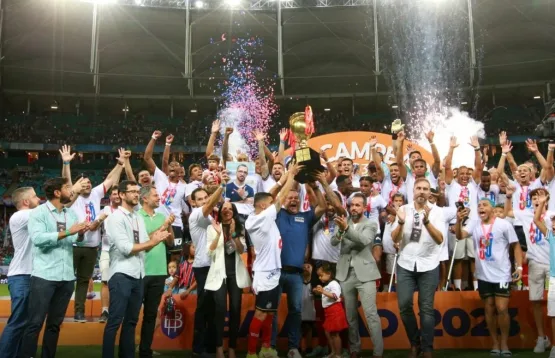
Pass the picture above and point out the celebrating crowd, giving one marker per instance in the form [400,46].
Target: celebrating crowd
[325,243]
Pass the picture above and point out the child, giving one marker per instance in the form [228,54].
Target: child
[335,314]
[170,285]
[308,312]
[187,283]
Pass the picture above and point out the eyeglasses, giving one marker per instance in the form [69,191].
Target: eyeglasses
[132,191]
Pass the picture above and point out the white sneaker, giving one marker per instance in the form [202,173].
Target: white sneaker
[542,343]
[552,353]
[294,353]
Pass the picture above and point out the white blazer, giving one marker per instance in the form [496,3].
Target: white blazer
[216,274]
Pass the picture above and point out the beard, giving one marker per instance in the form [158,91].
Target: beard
[65,199]
[355,216]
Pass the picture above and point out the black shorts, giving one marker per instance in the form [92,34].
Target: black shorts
[267,301]
[521,238]
[178,239]
[492,289]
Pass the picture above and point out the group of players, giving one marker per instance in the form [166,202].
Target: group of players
[407,219]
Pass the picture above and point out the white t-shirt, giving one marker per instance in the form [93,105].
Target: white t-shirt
[424,253]
[304,199]
[467,194]
[88,209]
[551,189]
[492,194]
[521,198]
[409,183]
[171,197]
[322,249]
[22,262]
[387,240]
[267,185]
[538,247]
[389,189]
[195,184]
[355,180]
[197,228]
[334,288]
[108,210]
[491,246]
[374,204]
[266,239]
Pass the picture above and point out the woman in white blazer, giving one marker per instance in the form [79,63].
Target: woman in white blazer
[228,274]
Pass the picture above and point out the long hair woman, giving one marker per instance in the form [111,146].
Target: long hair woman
[228,274]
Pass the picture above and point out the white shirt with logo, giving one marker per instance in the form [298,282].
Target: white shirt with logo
[171,196]
[88,209]
[538,246]
[492,194]
[468,195]
[108,210]
[491,247]
[521,198]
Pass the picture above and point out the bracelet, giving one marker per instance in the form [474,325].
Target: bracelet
[400,222]
[426,222]
[66,163]
[68,233]
[279,184]
[508,196]
[477,149]
[234,235]
[282,141]
[503,154]
[168,144]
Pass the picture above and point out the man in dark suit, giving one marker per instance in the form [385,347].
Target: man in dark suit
[357,272]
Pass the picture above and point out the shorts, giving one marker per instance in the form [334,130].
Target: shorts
[551,297]
[178,239]
[494,289]
[267,301]
[104,265]
[537,275]
[464,248]
[521,238]
[389,260]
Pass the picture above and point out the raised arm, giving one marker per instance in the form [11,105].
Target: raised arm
[225,144]
[149,162]
[436,166]
[502,141]
[546,173]
[283,134]
[478,164]
[549,171]
[214,199]
[332,197]
[113,177]
[293,170]
[399,155]
[449,160]
[213,135]
[508,206]
[166,154]
[376,158]
[128,169]
[264,170]
[67,157]
[540,224]
[320,206]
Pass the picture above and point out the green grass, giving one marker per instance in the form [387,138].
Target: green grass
[5,292]
[95,352]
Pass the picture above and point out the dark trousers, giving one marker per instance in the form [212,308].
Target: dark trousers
[10,342]
[426,282]
[153,288]
[229,287]
[47,300]
[84,259]
[204,334]
[126,296]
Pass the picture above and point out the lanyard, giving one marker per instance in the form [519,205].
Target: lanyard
[56,220]
[523,197]
[131,222]
[368,206]
[327,224]
[487,234]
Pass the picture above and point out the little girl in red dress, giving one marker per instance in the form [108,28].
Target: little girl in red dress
[335,319]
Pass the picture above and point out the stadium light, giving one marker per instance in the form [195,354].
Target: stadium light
[537,97]
[327,109]
[125,109]
[54,105]
[395,106]
[233,3]
[463,103]
[193,110]
[199,4]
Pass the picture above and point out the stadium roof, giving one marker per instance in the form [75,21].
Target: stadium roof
[328,51]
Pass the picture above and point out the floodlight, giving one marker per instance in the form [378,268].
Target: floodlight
[193,110]
[54,105]
[395,106]
[537,97]
[327,109]
[199,4]
[463,103]
[233,3]
[125,109]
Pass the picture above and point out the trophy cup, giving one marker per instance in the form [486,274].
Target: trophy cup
[396,127]
[301,129]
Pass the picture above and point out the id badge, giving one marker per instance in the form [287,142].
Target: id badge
[415,234]
[229,247]
[60,226]
[136,236]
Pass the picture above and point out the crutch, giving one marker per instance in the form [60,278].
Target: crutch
[451,265]
[394,273]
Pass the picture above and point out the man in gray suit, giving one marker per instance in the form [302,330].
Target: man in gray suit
[357,272]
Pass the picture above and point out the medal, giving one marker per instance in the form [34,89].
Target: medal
[327,231]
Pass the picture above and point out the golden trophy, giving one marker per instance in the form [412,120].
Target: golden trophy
[301,128]
[396,127]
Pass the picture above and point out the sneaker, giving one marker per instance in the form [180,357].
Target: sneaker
[294,353]
[542,344]
[268,352]
[104,317]
[318,351]
[552,353]
[80,317]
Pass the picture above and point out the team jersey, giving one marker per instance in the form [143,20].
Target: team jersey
[538,247]
[468,195]
[171,196]
[492,194]
[88,209]
[491,245]
[521,197]
[389,189]
[322,249]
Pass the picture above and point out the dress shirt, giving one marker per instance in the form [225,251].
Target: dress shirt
[119,230]
[423,255]
[52,258]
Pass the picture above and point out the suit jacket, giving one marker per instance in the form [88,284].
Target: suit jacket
[356,246]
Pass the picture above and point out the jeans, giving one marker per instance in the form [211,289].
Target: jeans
[205,329]
[84,259]
[47,300]
[10,342]
[292,285]
[426,282]
[229,287]
[126,296]
[153,288]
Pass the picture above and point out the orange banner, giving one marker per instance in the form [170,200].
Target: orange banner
[459,317]
[355,146]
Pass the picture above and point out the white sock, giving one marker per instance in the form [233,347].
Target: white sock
[475,282]
[104,309]
[457,283]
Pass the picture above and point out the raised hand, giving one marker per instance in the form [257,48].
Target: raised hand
[169,220]
[156,135]
[401,215]
[401,135]
[241,192]
[427,210]
[474,142]
[224,175]
[79,186]
[373,141]
[323,155]
[430,136]
[283,134]
[258,135]
[453,142]
[228,131]
[169,139]
[215,126]
[542,198]
[321,177]
[531,145]
[506,147]
[121,158]
[502,138]
[66,153]
[341,222]
[510,189]
[461,215]
[551,146]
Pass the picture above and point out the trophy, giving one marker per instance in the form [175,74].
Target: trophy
[301,129]
[396,127]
